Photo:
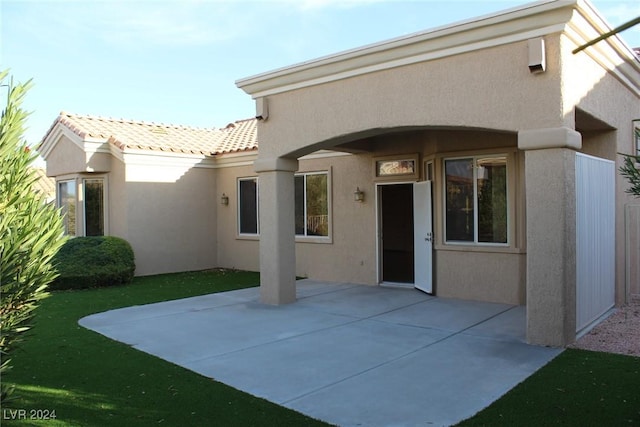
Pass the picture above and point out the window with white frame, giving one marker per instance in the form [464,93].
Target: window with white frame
[93,206]
[248,222]
[312,204]
[67,205]
[476,202]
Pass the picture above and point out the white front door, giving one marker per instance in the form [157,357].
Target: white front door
[423,236]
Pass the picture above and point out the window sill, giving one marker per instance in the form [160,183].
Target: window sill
[461,247]
[299,239]
[310,239]
[254,237]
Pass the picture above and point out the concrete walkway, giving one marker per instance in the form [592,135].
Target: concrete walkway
[347,354]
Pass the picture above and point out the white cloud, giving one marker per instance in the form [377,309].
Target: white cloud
[160,23]
[138,22]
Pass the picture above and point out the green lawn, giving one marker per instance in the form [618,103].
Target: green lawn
[577,388]
[89,380]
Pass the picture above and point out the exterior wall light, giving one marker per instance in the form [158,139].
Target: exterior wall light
[358,195]
[224,200]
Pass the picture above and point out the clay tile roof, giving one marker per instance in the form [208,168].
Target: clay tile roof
[44,185]
[141,135]
[237,136]
[240,135]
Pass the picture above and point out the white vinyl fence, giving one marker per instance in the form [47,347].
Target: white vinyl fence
[595,238]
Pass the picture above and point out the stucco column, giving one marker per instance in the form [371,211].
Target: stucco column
[551,234]
[277,230]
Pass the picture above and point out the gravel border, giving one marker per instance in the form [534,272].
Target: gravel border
[618,333]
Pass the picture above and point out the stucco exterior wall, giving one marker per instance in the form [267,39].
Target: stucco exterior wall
[350,250]
[171,225]
[117,200]
[350,256]
[551,271]
[233,250]
[66,158]
[481,276]
[490,88]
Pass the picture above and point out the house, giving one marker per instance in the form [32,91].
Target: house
[151,184]
[476,160]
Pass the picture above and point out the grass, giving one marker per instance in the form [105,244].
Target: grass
[90,380]
[577,388]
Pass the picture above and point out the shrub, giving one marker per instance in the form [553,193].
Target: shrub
[31,231]
[88,262]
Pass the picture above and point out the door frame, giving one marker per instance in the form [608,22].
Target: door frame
[379,248]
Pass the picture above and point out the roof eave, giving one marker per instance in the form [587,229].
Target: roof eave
[521,23]
[612,54]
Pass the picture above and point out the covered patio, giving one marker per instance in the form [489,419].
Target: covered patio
[346,354]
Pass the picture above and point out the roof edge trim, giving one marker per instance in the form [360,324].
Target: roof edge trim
[517,24]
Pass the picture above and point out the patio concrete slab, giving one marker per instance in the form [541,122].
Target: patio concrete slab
[316,360]
[347,354]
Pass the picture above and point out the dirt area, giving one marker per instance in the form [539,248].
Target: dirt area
[619,333]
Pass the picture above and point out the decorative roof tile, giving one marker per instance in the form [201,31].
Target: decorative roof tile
[236,137]
[241,135]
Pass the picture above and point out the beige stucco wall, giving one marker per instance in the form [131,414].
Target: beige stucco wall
[118,224]
[350,250]
[551,264]
[66,157]
[234,251]
[351,255]
[171,223]
[482,276]
[490,88]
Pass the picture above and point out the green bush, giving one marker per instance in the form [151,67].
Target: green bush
[31,232]
[89,262]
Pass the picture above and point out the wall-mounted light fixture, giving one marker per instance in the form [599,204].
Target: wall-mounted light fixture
[224,200]
[358,195]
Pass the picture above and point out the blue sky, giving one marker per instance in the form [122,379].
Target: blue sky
[177,61]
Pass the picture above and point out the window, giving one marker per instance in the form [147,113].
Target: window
[67,204]
[93,207]
[390,168]
[248,206]
[476,200]
[312,204]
